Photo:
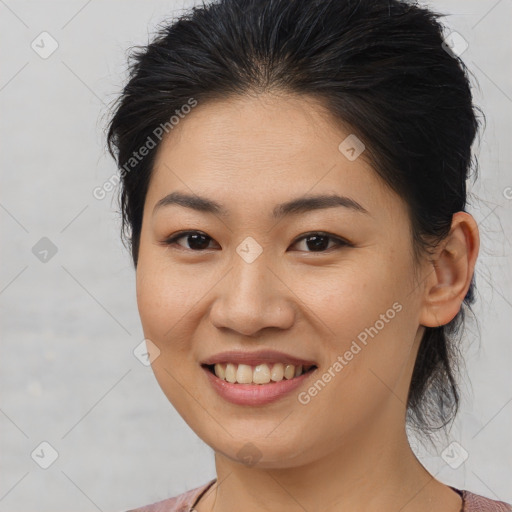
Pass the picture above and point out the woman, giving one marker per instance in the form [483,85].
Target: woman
[293,193]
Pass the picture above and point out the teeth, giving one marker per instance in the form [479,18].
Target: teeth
[230,374]
[244,374]
[261,374]
[277,372]
[220,371]
[289,371]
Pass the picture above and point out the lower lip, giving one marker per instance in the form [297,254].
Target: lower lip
[254,394]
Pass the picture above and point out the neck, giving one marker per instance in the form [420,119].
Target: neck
[373,471]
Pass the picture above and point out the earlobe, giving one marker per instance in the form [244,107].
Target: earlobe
[449,274]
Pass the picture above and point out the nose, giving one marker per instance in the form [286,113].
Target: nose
[251,297]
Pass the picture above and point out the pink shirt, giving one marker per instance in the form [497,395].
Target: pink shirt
[186,501]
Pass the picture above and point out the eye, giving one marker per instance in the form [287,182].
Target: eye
[196,240]
[319,241]
[315,242]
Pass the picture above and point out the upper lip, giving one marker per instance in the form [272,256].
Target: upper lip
[256,358]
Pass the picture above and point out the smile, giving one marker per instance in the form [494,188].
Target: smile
[250,393]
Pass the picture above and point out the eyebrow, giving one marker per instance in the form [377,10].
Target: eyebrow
[293,207]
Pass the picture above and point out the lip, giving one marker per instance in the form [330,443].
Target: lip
[256,358]
[255,394]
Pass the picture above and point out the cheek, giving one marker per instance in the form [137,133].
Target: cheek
[166,300]
[369,317]
[352,298]
[164,296]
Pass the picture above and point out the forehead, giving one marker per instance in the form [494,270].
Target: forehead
[235,130]
[262,146]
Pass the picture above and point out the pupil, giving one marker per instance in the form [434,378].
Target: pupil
[320,242]
[195,241]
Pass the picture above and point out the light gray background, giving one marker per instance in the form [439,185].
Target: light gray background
[69,326]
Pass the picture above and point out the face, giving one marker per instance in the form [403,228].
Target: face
[327,283]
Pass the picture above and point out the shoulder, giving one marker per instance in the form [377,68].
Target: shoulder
[181,503]
[477,503]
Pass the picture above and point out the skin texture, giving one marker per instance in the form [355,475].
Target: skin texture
[347,448]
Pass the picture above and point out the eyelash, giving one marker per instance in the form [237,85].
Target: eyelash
[171,241]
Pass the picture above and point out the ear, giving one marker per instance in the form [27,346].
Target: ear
[449,273]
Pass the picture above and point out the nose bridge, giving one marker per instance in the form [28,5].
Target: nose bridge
[251,283]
